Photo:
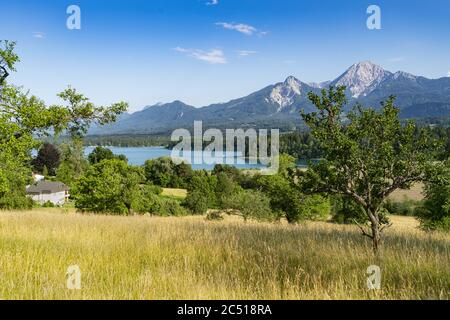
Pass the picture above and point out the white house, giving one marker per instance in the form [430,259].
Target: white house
[38,177]
[48,191]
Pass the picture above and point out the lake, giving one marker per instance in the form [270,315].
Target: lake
[138,155]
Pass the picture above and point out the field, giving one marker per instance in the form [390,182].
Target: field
[415,193]
[174,193]
[190,258]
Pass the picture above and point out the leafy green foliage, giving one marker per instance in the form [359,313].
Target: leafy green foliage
[99,154]
[148,201]
[79,113]
[368,154]
[201,193]
[434,213]
[347,211]
[110,186]
[403,208]
[165,173]
[73,163]
[8,58]
[48,158]
[251,204]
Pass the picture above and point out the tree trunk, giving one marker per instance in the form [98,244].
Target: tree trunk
[376,238]
[375,230]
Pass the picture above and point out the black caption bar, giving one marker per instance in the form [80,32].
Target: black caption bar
[215,309]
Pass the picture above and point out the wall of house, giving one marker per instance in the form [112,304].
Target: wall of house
[57,198]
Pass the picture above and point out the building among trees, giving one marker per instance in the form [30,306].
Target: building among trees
[48,191]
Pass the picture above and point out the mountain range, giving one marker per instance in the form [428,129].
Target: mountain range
[279,105]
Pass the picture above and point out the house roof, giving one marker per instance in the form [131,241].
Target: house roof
[47,187]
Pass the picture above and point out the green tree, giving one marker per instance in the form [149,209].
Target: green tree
[250,204]
[434,213]
[99,154]
[48,157]
[201,193]
[79,113]
[22,118]
[111,186]
[165,173]
[8,59]
[73,163]
[368,155]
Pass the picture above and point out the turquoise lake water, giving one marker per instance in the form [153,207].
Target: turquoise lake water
[138,156]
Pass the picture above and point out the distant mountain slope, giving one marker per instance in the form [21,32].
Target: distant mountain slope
[279,105]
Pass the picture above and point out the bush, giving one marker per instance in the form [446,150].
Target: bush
[16,201]
[284,197]
[434,213]
[165,173]
[316,207]
[403,208]
[215,215]
[99,154]
[201,193]
[13,181]
[111,186]
[48,204]
[150,202]
[197,202]
[251,204]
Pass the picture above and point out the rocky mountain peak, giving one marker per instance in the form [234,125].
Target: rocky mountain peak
[284,93]
[361,78]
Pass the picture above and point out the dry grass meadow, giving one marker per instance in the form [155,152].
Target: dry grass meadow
[190,258]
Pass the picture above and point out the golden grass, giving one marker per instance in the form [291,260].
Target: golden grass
[175,193]
[190,258]
[415,193]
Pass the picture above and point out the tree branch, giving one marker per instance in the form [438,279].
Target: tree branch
[364,232]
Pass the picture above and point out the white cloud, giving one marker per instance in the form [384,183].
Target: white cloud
[214,56]
[448,74]
[241,27]
[39,35]
[212,3]
[246,53]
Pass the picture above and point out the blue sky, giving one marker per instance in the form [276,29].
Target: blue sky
[207,51]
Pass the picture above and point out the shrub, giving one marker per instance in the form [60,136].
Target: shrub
[214,215]
[284,197]
[99,154]
[197,202]
[16,201]
[48,204]
[316,207]
[110,186]
[434,213]
[165,173]
[403,208]
[251,204]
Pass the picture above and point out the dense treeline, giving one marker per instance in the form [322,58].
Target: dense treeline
[127,141]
